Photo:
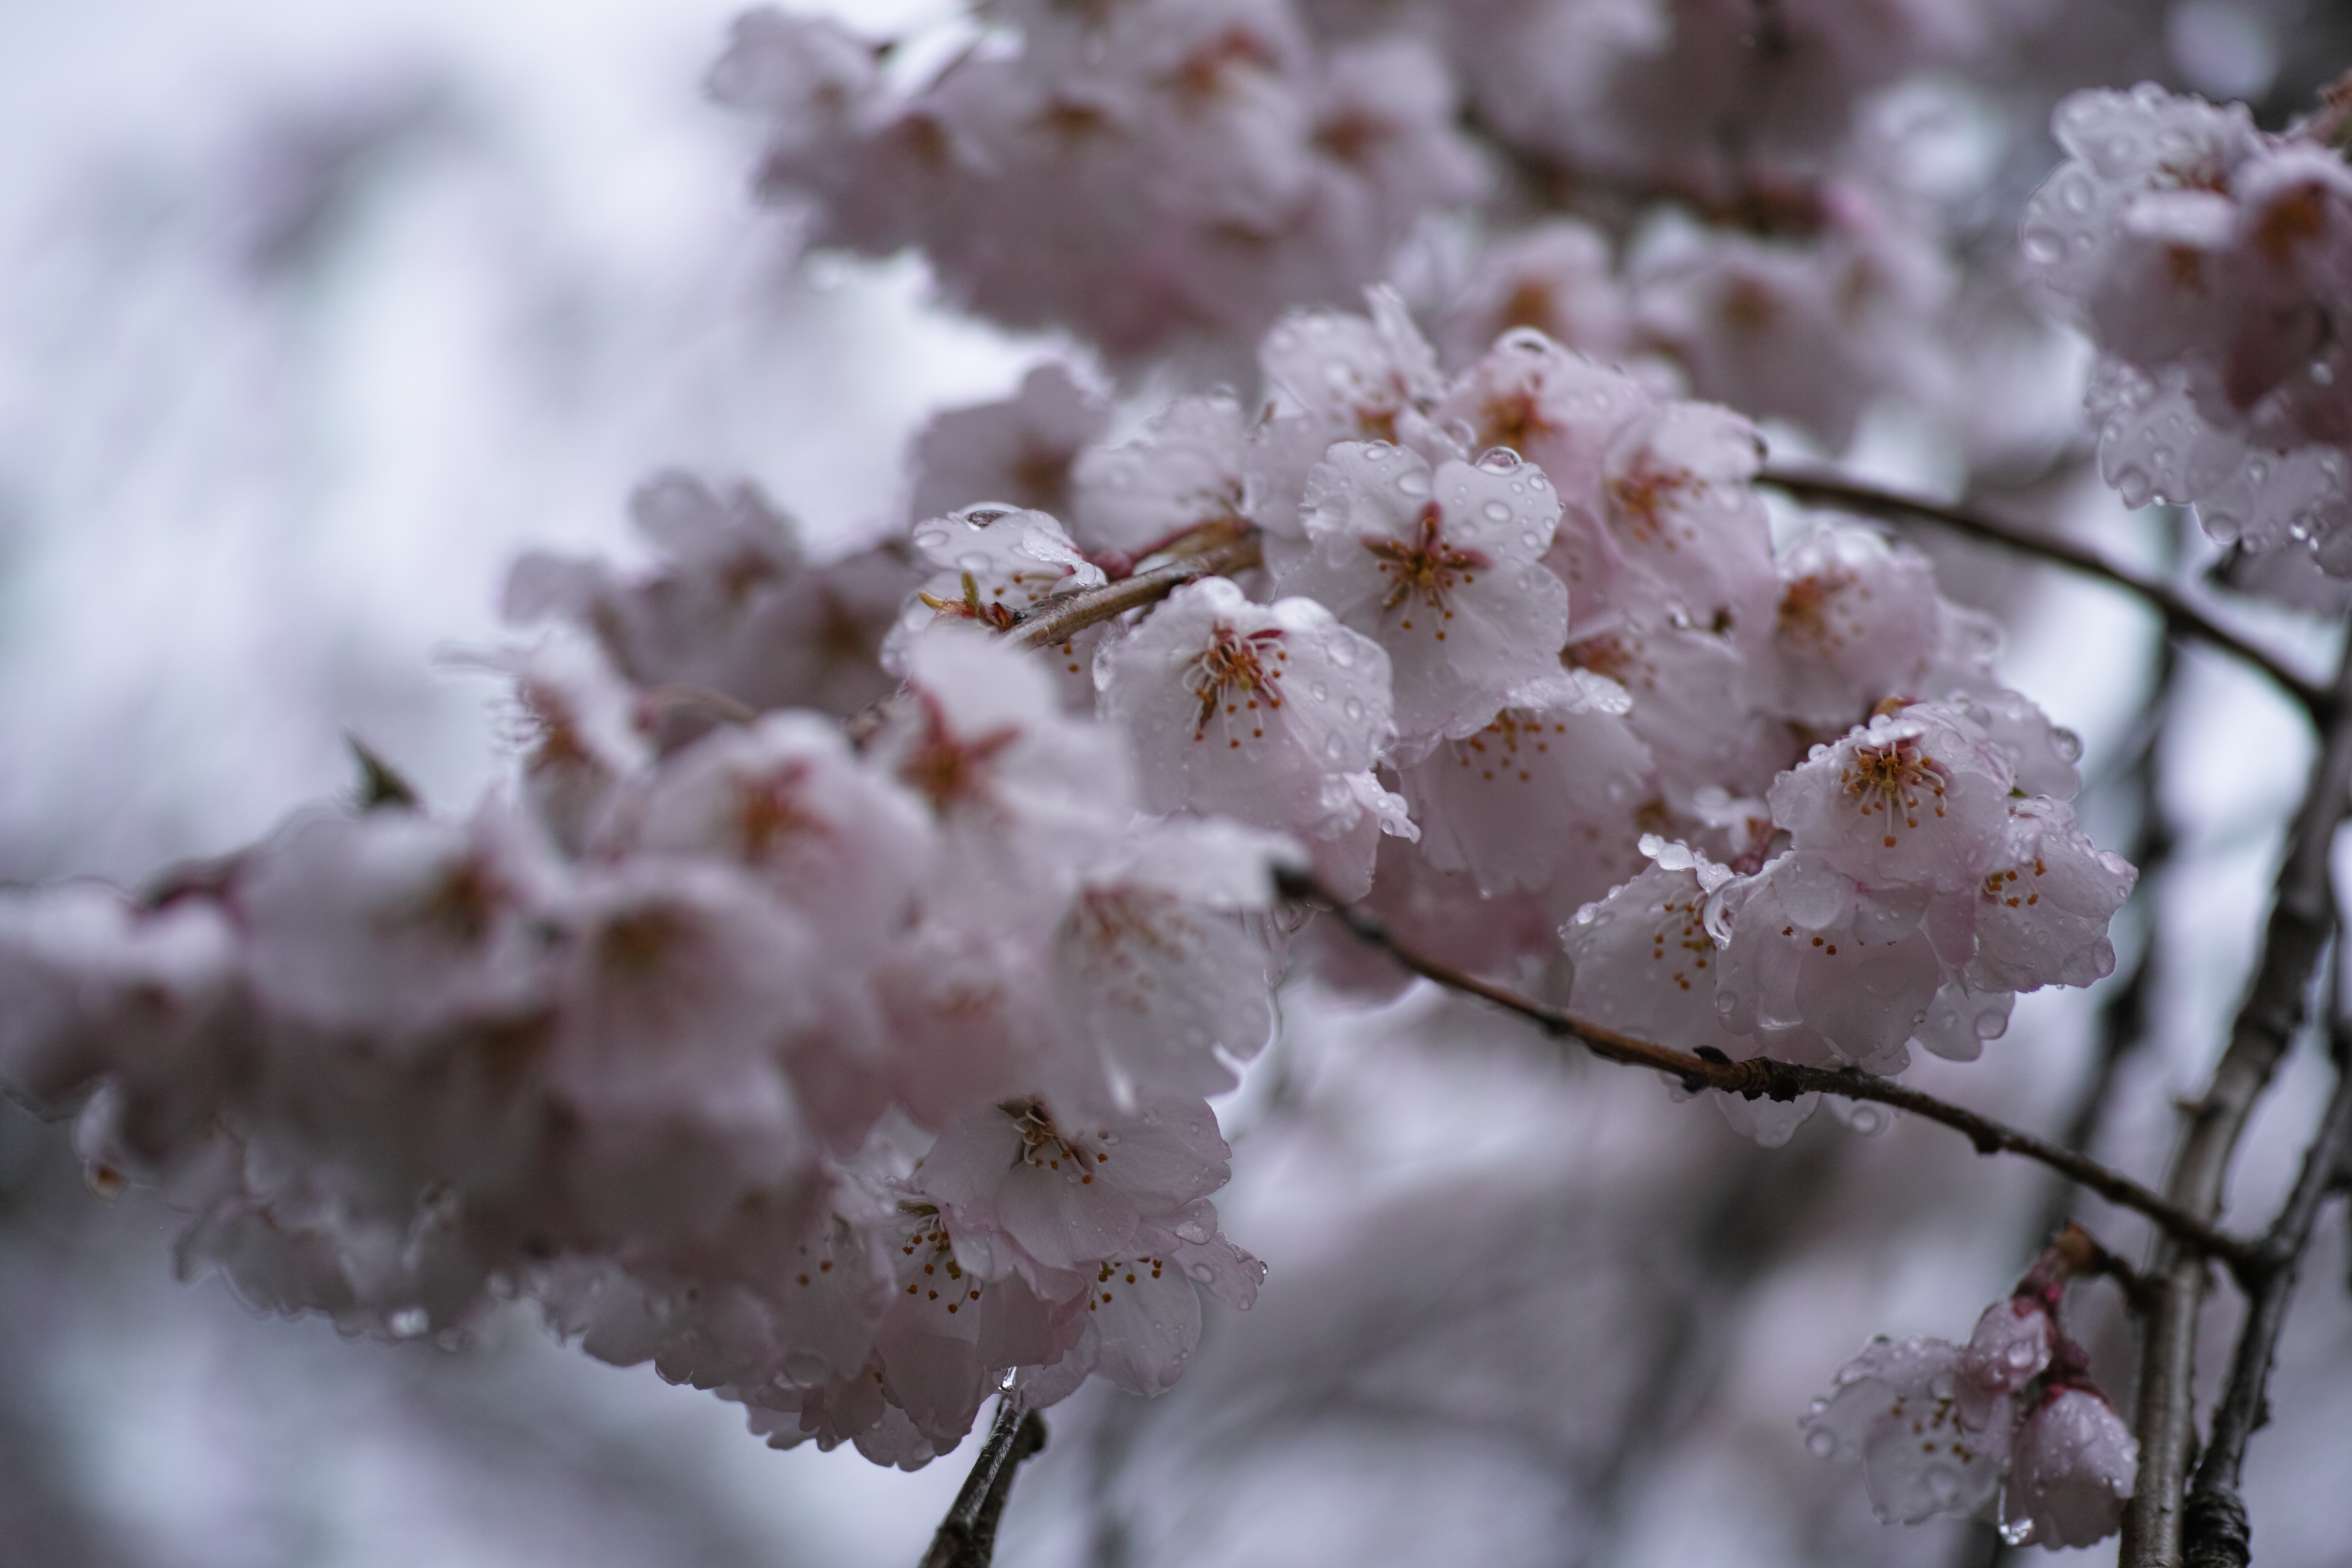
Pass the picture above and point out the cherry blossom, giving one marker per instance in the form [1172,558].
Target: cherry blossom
[1245,709]
[2074,1468]
[1443,567]
[2208,261]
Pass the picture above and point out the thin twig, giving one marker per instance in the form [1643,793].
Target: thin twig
[967,1536]
[1058,620]
[2300,919]
[2179,614]
[2216,1533]
[1763,1078]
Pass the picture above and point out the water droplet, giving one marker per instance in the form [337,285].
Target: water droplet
[1821,1443]
[1353,708]
[2067,744]
[1498,460]
[1497,511]
[2132,485]
[1320,692]
[1413,482]
[2016,1532]
[408,1322]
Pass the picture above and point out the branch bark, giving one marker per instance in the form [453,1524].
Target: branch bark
[1762,1077]
[967,1536]
[2180,616]
[2301,917]
[1058,620]
[2216,1532]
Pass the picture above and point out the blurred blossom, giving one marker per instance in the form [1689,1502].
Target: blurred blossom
[342,343]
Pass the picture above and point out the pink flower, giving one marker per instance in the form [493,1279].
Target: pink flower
[1066,1194]
[1013,454]
[2044,906]
[1931,1421]
[1818,962]
[1856,621]
[1444,569]
[1163,976]
[826,832]
[1021,792]
[732,612]
[1555,279]
[2076,1463]
[1548,788]
[1244,709]
[1190,467]
[1915,798]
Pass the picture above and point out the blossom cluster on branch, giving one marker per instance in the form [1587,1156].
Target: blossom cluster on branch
[1942,1428]
[2212,265]
[829,1010]
[854,1077]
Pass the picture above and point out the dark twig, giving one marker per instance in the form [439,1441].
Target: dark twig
[1059,620]
[1762,1078]
[2300,919]
[967,1536]
[2216,1533]
[2179,614]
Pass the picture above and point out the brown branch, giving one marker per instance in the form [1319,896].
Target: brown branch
[2180,615]
[2215,1529]
[1763,1078]
[2300,919]
[1058,620]
[967,1536]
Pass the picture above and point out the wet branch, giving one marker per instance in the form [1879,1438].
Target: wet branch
[2180,616]
[2301,918]
[1761,1077]
[1058,620]
[2216,1531]
[967,1536]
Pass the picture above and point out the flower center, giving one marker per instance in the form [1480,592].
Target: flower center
[1424,568]
[1239,673]
[1896,778]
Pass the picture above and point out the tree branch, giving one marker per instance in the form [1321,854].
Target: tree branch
[2180,616]
[2300,918]
[1762,1077]
[967,1536]
[2216,1531]
[1058,620]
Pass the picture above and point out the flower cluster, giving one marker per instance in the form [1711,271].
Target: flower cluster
[1150,172]
[1518,614]
[840,1040]
[845,1082]
[2212,265]
[1165,176]
[1942,1428]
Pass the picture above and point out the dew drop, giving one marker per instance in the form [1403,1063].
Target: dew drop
[1821,1443]
[1497,511]
[2067,744]
[1498,460]
[408,1322]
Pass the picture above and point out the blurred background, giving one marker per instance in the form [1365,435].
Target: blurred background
[312,316]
